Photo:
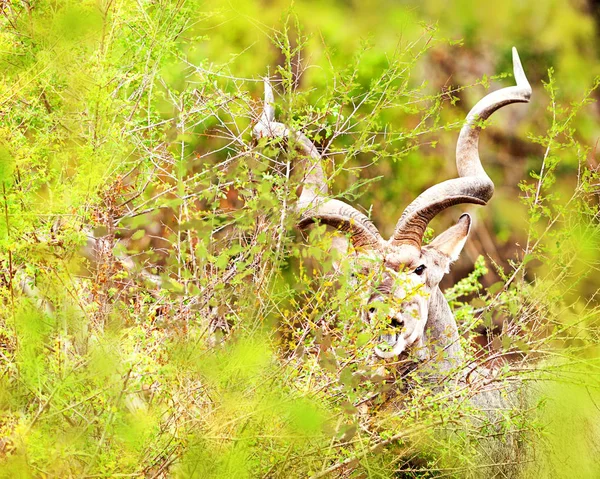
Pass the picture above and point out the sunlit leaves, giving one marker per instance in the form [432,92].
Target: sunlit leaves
[232,345]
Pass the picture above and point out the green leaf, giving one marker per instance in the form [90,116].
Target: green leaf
[139,234]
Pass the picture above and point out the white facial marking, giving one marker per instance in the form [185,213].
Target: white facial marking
[402,281]
[398,348]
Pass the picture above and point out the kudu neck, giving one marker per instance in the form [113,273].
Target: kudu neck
[442,336]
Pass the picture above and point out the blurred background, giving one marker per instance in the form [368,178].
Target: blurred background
[130,123]
[472,41]
[454,54]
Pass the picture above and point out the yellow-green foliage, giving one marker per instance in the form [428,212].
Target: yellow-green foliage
[129,122]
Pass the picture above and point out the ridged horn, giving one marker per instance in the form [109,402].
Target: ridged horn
[473,184]
[313,204]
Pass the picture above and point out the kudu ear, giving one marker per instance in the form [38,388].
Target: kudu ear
[451,241]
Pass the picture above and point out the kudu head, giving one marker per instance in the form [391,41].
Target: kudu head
[403,274]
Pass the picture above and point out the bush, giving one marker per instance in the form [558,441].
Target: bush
[160,315]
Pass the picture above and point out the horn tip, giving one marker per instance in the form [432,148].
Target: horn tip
[520,76]
[269,110]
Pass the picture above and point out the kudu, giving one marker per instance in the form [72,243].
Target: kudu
[408,273]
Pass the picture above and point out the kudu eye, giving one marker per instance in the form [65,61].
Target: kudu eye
[372,310]
[419,270]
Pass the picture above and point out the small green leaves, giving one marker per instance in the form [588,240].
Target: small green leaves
[7,166]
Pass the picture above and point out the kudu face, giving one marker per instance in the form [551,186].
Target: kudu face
[398,284]
[401,273]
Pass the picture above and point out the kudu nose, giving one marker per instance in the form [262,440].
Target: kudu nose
[396,322]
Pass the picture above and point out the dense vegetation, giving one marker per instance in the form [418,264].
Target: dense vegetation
[160,316]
